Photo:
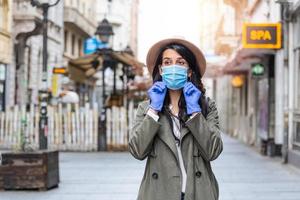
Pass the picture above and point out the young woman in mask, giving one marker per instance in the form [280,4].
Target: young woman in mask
[177,129]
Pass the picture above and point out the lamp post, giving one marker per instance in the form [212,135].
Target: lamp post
[44,5]
[104,31]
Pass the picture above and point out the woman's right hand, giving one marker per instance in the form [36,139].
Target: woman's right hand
[157,95]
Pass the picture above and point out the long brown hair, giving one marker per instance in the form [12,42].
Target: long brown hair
[195,79]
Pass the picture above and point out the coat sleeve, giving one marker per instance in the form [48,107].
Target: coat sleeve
[207,133]
[142,133]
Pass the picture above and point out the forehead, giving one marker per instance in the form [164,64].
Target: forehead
[170,53]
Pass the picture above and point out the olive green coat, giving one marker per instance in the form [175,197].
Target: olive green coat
[200,143]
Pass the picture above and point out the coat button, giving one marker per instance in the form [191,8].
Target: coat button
[198,174]
[155,175]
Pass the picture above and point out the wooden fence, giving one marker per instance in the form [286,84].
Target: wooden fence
[70,128]
[119,121]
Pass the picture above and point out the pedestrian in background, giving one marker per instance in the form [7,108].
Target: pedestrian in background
[177,130]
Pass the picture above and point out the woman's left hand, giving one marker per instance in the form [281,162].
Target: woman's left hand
[192,95]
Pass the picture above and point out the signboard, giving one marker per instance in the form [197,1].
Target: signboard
[257,69]
[263,36]
[55,85]
[90,45]
[59,70]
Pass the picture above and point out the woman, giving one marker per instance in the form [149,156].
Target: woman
[178,129]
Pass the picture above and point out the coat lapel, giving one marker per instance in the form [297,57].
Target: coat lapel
[166,135]
[183,132]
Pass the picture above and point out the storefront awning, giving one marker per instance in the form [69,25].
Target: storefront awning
[83,68]
[239,62]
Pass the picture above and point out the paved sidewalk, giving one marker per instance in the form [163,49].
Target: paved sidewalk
[242,173]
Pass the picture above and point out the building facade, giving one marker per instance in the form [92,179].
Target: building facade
[263,111]
[291,72]
[5,47]
[123,15]
[25,79]
[79,25]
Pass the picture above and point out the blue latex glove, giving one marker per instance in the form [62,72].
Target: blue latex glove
[157,95]
[192,95]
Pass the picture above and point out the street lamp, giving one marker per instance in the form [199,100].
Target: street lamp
[44,5]
[104,31]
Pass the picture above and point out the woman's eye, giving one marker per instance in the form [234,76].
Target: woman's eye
[182,63]
[166,62]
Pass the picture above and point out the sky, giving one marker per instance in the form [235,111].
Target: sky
[160,19]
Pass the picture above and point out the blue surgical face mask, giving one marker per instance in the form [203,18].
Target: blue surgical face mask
[174,76]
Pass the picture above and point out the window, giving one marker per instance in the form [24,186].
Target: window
[297,86]
[73,44]
[79,47]
[83,9]
[66,41]
[297,62]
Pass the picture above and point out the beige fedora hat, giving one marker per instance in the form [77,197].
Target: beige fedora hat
[155,50]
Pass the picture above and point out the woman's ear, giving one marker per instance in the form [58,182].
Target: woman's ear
[190,72]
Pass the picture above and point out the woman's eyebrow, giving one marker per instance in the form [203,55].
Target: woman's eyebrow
[179,58]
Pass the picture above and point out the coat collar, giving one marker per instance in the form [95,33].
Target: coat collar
[165,134]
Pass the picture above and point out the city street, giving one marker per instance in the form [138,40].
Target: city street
[242,173]
[72,75]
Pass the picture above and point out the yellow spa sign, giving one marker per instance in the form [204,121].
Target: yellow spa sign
[262,36]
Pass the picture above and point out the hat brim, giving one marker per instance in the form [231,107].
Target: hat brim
[155,50]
